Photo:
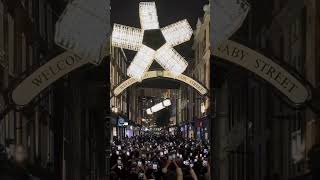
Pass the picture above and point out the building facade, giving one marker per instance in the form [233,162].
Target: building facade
[26,38]
[193,107]
[259,134]
[119,104]
[62,129]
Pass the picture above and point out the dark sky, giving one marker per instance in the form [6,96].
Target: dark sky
[169,11]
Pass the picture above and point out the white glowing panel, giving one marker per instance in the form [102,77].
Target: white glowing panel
[177,33]
[83,28]
[157,107]
[148,15]
[149,111]
[171,60]
[127,37]
[167,102]
[141,62]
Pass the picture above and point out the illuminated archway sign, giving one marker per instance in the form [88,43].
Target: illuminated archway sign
[161,74]
[277,76]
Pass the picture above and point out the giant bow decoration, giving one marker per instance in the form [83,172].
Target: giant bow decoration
[152,43]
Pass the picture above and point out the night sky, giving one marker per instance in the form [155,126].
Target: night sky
[169,11]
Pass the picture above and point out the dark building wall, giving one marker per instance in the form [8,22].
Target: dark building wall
[270,124]
[80,138]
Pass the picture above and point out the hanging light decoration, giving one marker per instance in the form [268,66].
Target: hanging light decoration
[148,16]
[159,107]
[171,60]
[141,62]
[127,37]
[134,39]
[177,33]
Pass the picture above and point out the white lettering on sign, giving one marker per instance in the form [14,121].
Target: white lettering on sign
[264,67]
[44,76]
[166,74]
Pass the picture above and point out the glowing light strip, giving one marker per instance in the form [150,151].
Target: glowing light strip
[159,106]
[177,33]
[127,37]
[171,60]
[148,15]
[141,62]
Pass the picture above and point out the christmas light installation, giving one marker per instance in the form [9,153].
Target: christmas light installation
[159,107]
[152,43]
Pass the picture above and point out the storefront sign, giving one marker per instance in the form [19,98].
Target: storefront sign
[165,74]
[46,75]
[264,67]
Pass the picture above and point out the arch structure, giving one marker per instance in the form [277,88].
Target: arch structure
[286,82]
[289,85]
[161,74]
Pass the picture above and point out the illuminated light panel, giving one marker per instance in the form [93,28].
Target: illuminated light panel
[171,60]
[127,37]
[167,102]
[177,33]
[149,111]
[157,107]
[141,62]
[73,30]
[148,15]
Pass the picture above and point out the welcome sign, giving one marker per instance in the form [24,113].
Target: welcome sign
[165,74]
[46,75]
[265,68]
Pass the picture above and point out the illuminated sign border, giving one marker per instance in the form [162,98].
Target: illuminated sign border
[161,74]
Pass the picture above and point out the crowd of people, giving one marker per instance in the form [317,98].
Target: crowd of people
[160,157]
